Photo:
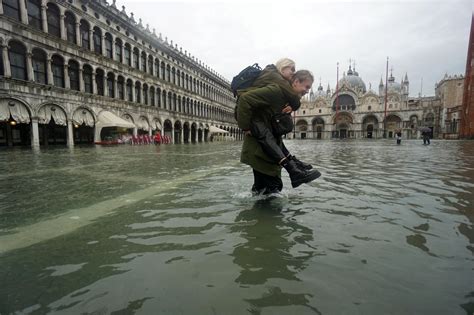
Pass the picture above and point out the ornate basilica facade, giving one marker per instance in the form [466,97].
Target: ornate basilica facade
[357,112]
[80,71]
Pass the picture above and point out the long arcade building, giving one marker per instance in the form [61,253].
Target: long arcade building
[80,71]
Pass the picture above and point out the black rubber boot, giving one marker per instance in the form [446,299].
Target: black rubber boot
[267,141]
[299,176]
[301,164]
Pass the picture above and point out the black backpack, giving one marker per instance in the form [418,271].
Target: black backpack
[245,78]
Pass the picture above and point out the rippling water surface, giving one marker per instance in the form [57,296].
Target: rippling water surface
[174,229]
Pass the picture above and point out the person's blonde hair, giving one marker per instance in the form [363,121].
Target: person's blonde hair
[284,63]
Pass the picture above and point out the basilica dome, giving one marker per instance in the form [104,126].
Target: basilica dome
[393,86]
[353,81]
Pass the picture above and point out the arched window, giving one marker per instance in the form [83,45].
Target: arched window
[99,81]
[85,40]
[150,64]
[168,73]
[170,101]
[173,75]
[182,80]
[136,58]
[157,68]
[11,8]
[121,87]
[163,69]
[152,96]
[137,92]
[164,99]
[70,21]
[143,61]
[87,77]
[118,50]
[127,51]
[38,60]
[129,90]
[97,38]
[34,14]
[110,85]
[178,77]
[17,55]
[53,20]
[73,71]
[145,94]
[108,45]
[158,96]
[57,66]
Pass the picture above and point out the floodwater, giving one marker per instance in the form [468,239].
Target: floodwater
[174,229]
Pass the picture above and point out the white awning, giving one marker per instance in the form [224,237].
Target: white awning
[156,125]
[107,119]
[214,129]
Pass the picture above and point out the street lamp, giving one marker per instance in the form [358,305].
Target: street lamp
[294,125]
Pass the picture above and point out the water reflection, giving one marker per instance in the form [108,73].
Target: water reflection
[267,256]
[386,230]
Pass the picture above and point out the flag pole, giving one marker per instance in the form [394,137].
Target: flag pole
[337,96]
[385,112]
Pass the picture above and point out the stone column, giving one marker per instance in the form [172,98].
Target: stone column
[6,62]
[29,67]
[102,44]
[78,34]
[135,131]
[104,84]
[131,57]
[1,6]
[23,12]
[44,17]
[70,134]
[49,71]
[91,39]
[94,85]
[35,133]
[62,25]
[67,83]
[81,80]
[115,88]
[133,92]
[172,134]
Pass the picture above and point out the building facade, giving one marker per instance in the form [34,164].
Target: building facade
[353,111]
[80,71]
[450,91]
[467,112]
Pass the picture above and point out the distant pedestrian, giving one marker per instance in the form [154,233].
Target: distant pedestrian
[398,135]
[426,137]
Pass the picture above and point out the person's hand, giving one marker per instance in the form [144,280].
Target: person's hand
[247,133]
[287,109]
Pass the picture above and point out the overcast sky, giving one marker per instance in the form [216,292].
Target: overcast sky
[423,38]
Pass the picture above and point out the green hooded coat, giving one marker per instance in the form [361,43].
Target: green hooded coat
[260,104]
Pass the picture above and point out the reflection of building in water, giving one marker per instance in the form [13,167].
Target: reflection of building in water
[77,71]
[358,112]
[266,258]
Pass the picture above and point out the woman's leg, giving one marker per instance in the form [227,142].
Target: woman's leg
[266,184]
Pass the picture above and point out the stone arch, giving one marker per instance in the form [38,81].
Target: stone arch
[318,126]
[84,121]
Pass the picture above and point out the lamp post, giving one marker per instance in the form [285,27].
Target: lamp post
[294,125]
[385,112]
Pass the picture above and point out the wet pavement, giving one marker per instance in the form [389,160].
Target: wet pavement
[174,229]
